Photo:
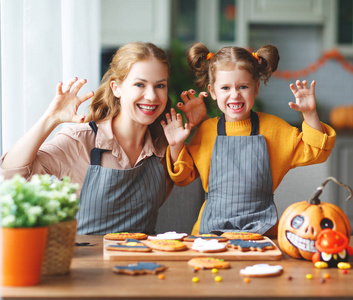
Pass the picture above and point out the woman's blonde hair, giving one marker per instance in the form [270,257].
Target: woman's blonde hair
[104,104]
[261,65]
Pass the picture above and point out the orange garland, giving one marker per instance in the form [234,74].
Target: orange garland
[328,55]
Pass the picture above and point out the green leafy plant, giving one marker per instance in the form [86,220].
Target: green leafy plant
[40,201]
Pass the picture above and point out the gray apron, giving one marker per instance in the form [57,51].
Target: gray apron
[114,200]
[240,196]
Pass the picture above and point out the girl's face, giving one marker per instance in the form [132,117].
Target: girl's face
[235,91]
[144,93]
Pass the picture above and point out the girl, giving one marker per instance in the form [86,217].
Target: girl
[242,156]
[118,157]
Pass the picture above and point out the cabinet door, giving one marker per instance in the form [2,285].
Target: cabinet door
[135,20]
[342,169]
[286,11]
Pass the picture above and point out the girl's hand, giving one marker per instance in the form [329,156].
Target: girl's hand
[174,131]
[193,107]
[305,103]
[65,104]
[304,97]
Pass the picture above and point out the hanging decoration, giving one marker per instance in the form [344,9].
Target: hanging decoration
[313,67]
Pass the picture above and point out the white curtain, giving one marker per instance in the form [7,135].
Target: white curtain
[44,42]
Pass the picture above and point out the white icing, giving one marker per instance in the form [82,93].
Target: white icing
[261,269]
[202,245]
[170,235]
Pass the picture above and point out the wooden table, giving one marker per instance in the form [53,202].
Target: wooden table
[91,277]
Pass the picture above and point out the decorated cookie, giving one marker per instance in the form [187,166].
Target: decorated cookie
[139,268]
[130,245]
[202,245]
[205,236]
[250,245]
[121,236]
[262,270]
[167,245]
[208,263]
[242,235]
[170,235]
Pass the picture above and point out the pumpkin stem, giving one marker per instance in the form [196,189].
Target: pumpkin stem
[315,197]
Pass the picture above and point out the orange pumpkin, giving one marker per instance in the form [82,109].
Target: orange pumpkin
[301,222]
[341,117]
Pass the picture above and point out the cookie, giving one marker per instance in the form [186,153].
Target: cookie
[129,245]
[250,245]
[122,236]
[167,245]
[139,268]
[205,236]
[170,235]
[262,270]
[208,246]
[208,263]
[242,235]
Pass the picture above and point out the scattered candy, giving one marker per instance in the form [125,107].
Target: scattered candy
[195,279]
[218,278]
[161,276]
[327,276]
[309,276]
[246,280]
[344,271]
[290,278]
[322,280]
[214,271]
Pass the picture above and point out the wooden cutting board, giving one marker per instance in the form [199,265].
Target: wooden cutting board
[156,255]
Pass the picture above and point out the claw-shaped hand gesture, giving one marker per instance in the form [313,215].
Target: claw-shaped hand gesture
[65,104]
[304,96]
[174,131]
[193,107]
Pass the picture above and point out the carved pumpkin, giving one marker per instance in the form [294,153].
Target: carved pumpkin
[341,117]
[301,222]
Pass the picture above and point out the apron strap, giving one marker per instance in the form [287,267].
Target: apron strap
[254,123]
[96,153]
[221,125]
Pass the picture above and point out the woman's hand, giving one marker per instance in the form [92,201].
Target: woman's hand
[193,107]
[65,104]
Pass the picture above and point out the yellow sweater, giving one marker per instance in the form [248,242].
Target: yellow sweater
[287,147]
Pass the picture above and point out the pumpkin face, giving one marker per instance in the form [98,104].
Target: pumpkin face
[301,222]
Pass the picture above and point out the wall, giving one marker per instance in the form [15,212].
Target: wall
[299,46]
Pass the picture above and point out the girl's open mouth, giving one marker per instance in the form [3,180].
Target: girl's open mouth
[235,105]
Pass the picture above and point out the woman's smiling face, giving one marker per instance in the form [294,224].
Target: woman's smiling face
[144,92]
[235,91]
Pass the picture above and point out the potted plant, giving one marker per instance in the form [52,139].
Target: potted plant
[28,209]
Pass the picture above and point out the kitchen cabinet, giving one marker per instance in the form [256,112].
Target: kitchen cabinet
[342,169]
[338,30]
[216,23]
[285,11]
[135,20]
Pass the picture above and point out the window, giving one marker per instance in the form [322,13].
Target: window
[344,22]
[216,23]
